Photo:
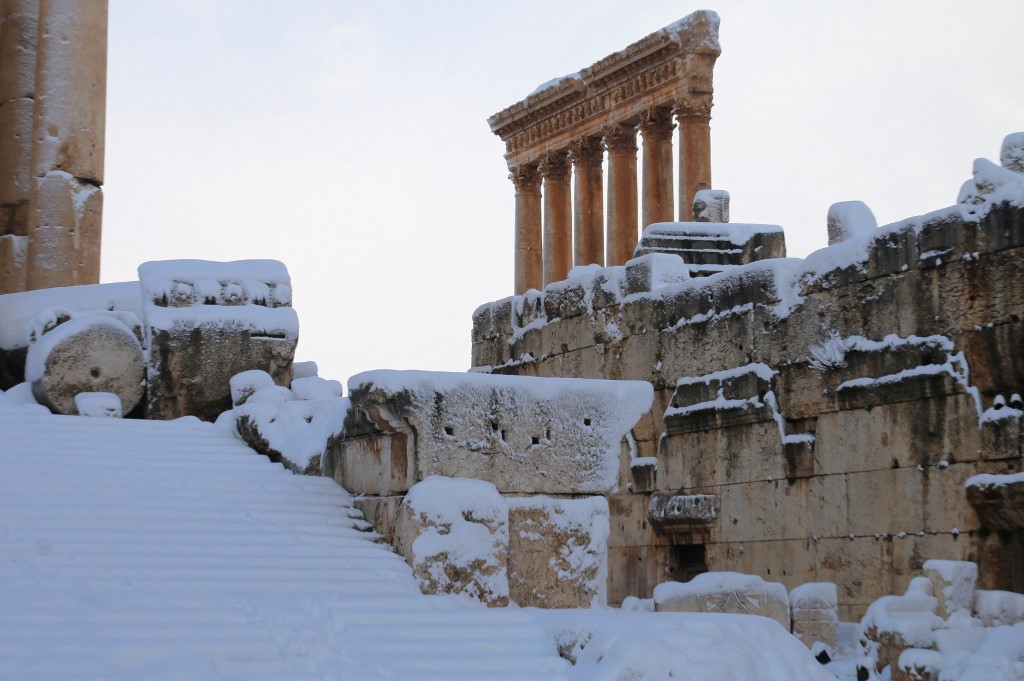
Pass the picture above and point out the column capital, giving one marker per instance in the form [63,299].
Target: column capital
[693,109]
[656,123]
[526,179]
[586,152]
[619,139]
[554,166]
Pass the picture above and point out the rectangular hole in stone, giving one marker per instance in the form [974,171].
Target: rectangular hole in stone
[448,430]
[536,440]
[504,435]
[586,422]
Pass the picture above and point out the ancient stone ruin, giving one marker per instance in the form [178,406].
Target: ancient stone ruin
[562,130]
[53,90]
[814,420]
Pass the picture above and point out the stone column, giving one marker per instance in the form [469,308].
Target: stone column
[656,127]
[587,156]
[554,168]
[18,32]
[620,142]
[695,152]
[528,260]
[68,143]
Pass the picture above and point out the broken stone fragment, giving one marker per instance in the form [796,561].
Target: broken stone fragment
[87,354]
[848,219]
[711,205]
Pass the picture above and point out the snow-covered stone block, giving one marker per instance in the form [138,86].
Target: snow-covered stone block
[653,271]
[849,219]
[952,584]
[894,623]
[526,435]
[995,608]
[271,393]
[207,321]
[558,551]
[304,369]
[315,388]
[90,352]
[992,184]
[245,383]
[1011,154]
[814,612]
[998,500]
[294,433]
[102,405]
[729,592]
[918,664]
[711,205]
[454,534]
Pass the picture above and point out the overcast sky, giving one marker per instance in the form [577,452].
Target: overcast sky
[349,138]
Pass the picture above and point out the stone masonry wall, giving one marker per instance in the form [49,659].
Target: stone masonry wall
[848,470]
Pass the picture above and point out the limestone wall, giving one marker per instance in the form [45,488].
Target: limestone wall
[842,455]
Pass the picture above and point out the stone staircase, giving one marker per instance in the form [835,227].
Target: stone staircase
[149,549]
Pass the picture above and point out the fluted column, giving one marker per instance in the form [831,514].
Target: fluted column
[528,259]
[695,152]
[554,168]
[656,127]
[19,20]
[620,142]
[65,210]
[587,156]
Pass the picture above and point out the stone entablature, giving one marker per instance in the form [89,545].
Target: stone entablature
[571,121]
[890,368]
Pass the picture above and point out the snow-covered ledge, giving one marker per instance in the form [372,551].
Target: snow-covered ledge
[526,435]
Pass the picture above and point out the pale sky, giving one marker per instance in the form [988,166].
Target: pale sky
[349,139]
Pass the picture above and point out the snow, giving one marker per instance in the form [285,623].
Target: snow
[719,582]
[304,369]
[461,522]
[168,550]
[849,219]
[912,617]
[18,309]
[265,271]
[259,320]
[245,383]
[984,480]
[99,404]
[759,369]
[998,607]
[315,388]
[738,233]
[959,577]
[299,429]
[814,596]
[555,82]
[271,393]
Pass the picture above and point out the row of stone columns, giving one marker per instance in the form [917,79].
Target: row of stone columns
[556,228]
[53,64]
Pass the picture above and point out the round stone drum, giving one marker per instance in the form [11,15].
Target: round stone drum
[89,353]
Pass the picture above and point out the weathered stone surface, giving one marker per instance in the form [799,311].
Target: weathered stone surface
[455,535]
[953,583]
[205,323]
[813,609]
[558,552]
[526,435]
[1011,154]
[86,354]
